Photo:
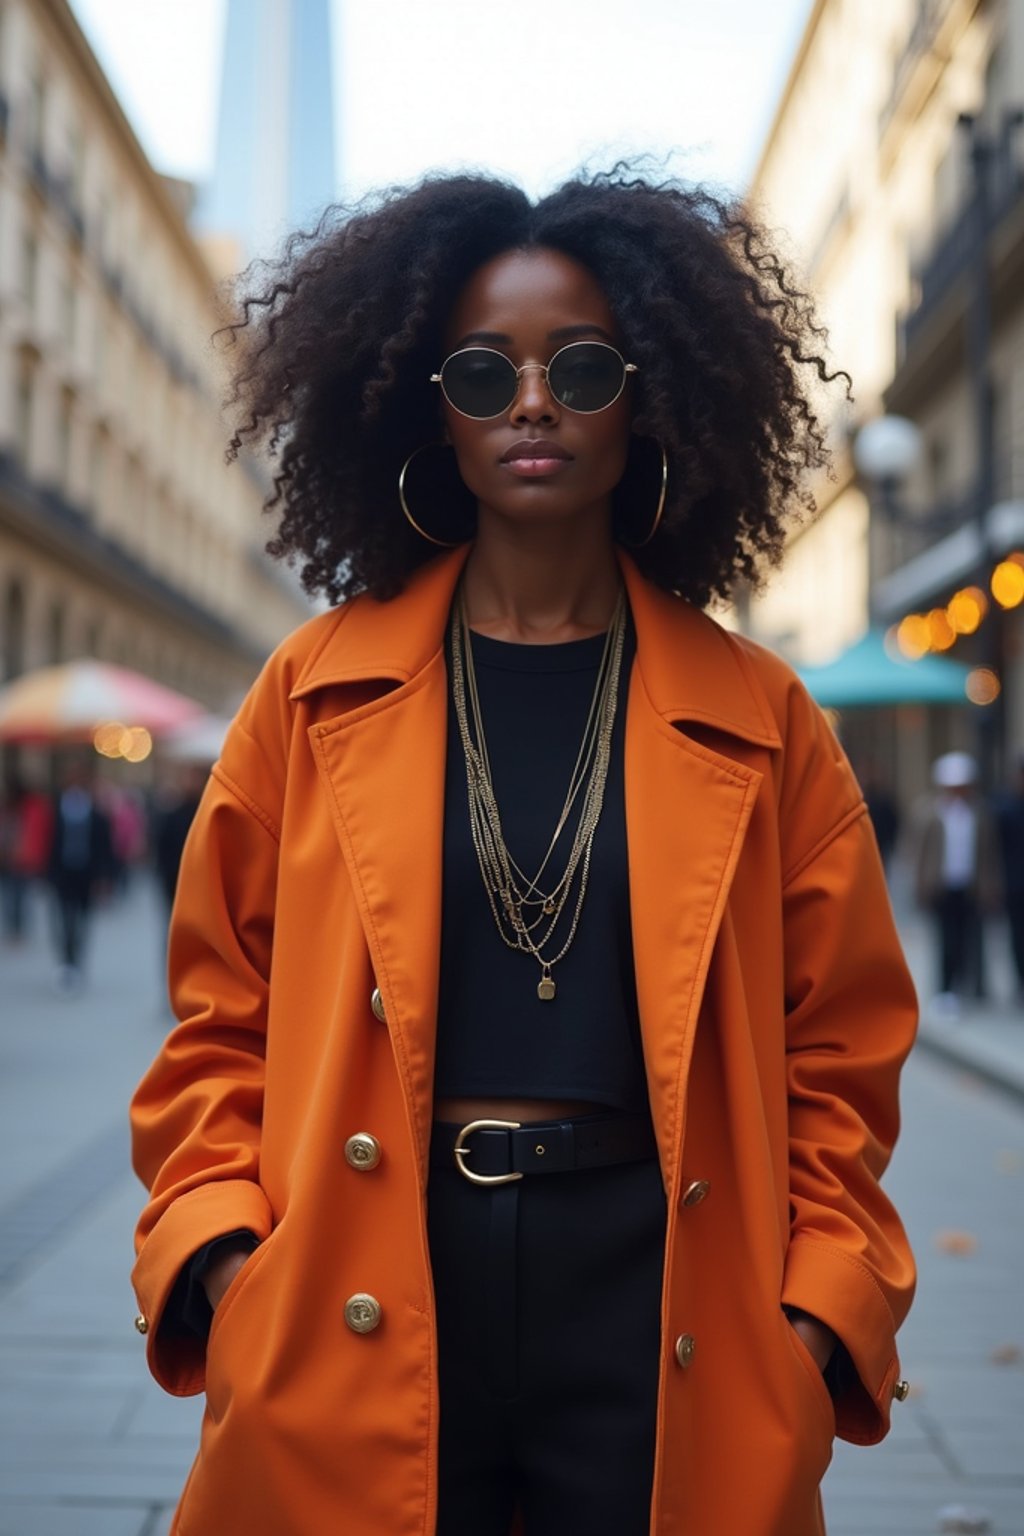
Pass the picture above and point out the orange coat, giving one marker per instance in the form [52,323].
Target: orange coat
[776,1011]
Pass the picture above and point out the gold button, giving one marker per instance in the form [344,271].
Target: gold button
[377,1004]
[141,1324]
[362,1151]
[694,1193]
[901,1391]
[362,1312]
[686,1348]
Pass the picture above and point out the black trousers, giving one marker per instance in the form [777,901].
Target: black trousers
[73,899]
[962,963]
[548,1294]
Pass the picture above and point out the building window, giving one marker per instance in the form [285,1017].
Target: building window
[76,163]
[93,638]
[24,409]
[100,322]
[69,311]
[100,226]
[36,115]
[938,469]
[30,270]
[65,425]
[56,633]
[12,661]
[98,468]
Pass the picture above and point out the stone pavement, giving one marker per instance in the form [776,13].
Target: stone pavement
[89,1446]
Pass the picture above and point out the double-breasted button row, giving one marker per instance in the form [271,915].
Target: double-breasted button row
[696,1191]
[377,1005]
[363,1312]
[362,1151]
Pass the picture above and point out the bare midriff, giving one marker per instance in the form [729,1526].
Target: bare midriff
[526,1111]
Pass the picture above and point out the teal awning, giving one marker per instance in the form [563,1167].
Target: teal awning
[865,675]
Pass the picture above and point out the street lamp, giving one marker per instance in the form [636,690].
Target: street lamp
[885,451]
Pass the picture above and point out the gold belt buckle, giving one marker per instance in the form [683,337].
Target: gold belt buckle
[462,1151]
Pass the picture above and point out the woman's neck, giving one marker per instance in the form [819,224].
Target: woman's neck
[540,586]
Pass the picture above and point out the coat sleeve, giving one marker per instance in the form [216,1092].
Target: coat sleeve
[196,1116]
[851,1015]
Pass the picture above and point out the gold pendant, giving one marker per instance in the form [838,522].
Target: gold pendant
[546,988]
[549,907]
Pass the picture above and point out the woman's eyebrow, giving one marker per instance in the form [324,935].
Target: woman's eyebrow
[567,332]
[563,333]
[482,339]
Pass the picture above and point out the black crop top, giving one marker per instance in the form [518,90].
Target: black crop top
[495,1037]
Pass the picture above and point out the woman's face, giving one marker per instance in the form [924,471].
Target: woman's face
[539,460]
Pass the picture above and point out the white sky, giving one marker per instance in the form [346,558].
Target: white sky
[531,91]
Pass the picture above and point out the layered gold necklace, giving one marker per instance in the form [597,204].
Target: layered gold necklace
[525,912]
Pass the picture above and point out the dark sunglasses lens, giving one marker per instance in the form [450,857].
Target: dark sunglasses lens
[586,376]
[478,382]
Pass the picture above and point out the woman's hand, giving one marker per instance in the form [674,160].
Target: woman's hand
[221,1273]
[819,1338]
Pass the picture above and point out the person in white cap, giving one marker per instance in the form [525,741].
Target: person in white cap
[957,876]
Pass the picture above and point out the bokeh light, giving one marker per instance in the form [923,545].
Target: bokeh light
[137,744]
[1008,583]
[107,738]
[913,636]
[132,742]
[982,686]
[966,609]
[941,634]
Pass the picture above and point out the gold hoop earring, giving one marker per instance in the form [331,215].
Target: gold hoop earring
[444,543]
[631,544]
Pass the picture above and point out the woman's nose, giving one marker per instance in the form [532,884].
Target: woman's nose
[534,400]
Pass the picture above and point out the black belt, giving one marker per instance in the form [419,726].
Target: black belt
[498,1151]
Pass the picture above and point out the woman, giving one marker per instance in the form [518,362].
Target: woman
[517,834]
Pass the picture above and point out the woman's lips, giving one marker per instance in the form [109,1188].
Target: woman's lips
[531,459]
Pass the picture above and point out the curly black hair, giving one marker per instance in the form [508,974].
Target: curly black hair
[338,341]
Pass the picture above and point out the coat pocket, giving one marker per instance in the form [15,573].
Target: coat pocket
[813,1380]
[228,1313]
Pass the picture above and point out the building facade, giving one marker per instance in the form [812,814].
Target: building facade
[123,534]
[895,164]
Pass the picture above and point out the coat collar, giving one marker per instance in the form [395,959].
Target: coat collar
[692,669]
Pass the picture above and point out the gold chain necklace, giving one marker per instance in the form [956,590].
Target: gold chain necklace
[510,893]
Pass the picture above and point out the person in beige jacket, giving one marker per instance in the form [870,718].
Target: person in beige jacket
[957,877]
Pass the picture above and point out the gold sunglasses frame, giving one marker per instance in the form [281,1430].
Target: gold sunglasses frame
[627,369]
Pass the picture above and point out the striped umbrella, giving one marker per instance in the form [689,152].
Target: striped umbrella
[71,702]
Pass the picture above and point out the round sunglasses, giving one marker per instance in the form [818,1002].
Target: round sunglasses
[585,376]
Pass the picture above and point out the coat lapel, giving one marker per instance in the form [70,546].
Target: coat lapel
[687,811]
[381,761]
[382,765]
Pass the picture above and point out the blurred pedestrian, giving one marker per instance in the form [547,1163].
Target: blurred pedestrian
[125,810]
[1010,820]
[25,830]
[447,1057]
[883,810]
[80,865]
[172,818]
[958,877]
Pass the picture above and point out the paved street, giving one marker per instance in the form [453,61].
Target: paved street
[90,1447]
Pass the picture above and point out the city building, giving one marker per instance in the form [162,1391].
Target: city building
[895,165]
[274,168]
[123,533]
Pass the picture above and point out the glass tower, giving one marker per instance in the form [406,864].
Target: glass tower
[274,169]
